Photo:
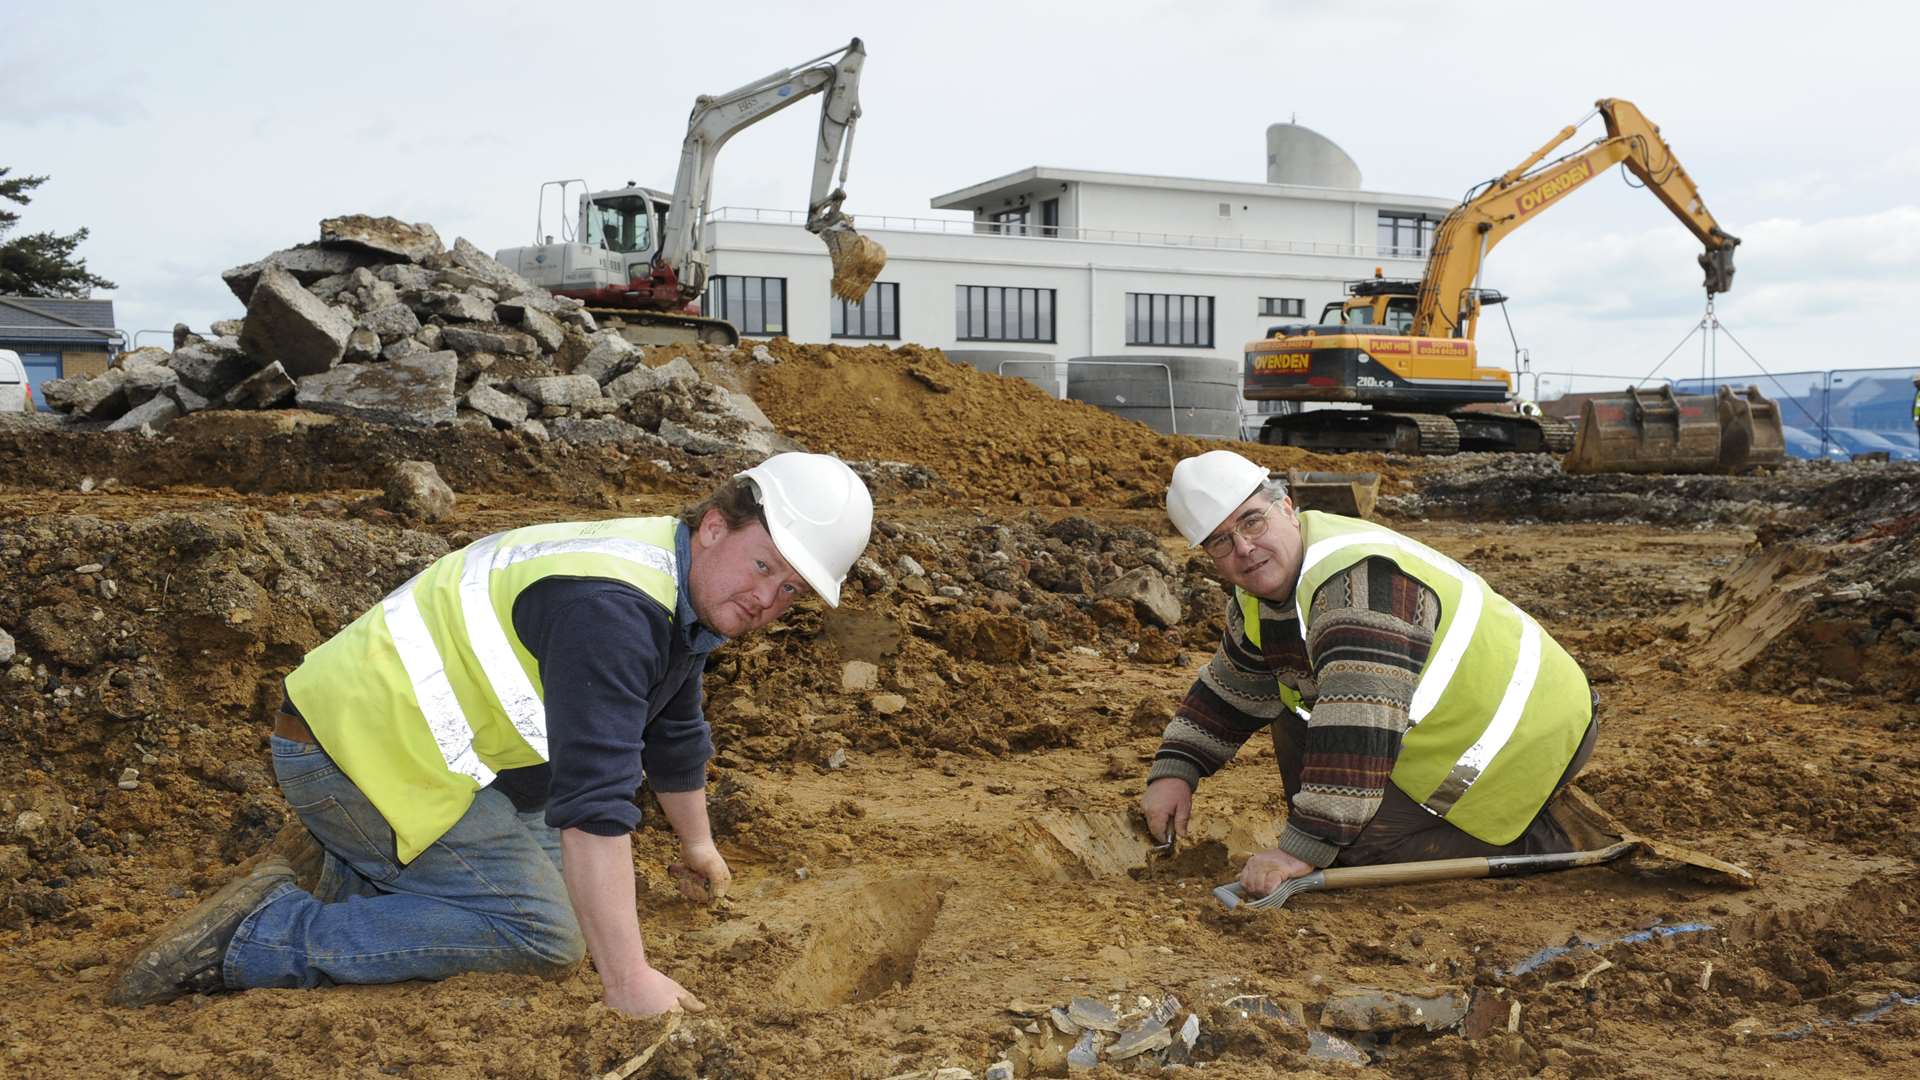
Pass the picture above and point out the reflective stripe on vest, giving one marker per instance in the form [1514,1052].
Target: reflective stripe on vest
[1497,696]
[423,699]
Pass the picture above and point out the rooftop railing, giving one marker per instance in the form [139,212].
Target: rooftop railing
[1055,233]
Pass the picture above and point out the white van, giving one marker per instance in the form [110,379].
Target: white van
[16,393]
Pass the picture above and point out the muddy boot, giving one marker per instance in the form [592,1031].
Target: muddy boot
[1589,827]
[296,847]
[185,956]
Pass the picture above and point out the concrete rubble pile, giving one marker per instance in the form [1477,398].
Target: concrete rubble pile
[379,321]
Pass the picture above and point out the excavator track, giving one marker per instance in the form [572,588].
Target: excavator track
[1557,433]
[665,327]
[1339,431]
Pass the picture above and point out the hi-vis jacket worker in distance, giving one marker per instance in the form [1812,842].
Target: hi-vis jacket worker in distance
[467,752]
[1416,713]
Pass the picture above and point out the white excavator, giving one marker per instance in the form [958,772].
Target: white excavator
[636,256]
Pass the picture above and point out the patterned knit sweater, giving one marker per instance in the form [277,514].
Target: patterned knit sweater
[1373,627]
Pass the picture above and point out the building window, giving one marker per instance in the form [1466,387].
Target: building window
[1163,319]
[754,305]
[1011,222]
[993,313]
[1050,217]
[875,315]
[1285,307]
[1409,235]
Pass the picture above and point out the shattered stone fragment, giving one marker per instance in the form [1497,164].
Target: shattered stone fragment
[1091,1013]
[1062,1022]
[677,434]
[210,368]
[414,489]
[308,263]
[1148,1035]
[414,392]
[261,390]
[505,408]
[287,323]
[1152,599]
[155,413]
[1085,1053]
[859,675]
[382,235]
[567,390]
[1322,1046]
[472,339]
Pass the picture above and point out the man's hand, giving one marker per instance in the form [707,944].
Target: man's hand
[1268,870]
[701,873]
[1167,804]
[650,994]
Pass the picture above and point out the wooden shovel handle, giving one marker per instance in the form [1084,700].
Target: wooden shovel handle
[1352,877]
[1349,877]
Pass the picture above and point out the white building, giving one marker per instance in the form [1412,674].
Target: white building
[1055,265]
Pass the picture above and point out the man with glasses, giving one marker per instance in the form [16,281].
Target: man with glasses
[1416,714]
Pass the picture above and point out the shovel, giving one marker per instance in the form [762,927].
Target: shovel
[1577,814]
[1354,877]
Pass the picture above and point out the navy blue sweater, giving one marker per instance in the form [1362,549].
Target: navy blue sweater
[620,706]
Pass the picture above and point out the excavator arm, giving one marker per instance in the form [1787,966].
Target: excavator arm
[717,118]
[1447,292]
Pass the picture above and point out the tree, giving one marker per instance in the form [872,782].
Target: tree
[40,264]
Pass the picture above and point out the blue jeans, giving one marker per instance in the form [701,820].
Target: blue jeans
[487,896]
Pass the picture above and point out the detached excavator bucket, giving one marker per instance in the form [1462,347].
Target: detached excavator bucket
[856,260]
[1346,494]
[1751,435]
[1647,431]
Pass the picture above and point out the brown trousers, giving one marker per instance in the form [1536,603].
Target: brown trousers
[1405,831]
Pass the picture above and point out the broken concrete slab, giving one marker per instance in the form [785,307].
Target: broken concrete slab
[406,277]
[540,325]
[567,390]
[145,381]
[263,389]
[102,397]
[414,392]
[601,430]
[393,322]
[677,434]
[1144,1037]
[155,413]
[505,408]
[452,304]
[1092,1013]
[308,263]
[211,367]
[402,349]
[188,401]
[1370,1009]
[287,323]
[382,236]
[611,356]
[483,266]
[472,339]
[1152,598]
[414,489]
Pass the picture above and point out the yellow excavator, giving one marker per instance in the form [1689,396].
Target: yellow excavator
[1406,349]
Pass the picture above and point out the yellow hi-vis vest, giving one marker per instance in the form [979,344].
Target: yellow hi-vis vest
[424,698]
[1499,709]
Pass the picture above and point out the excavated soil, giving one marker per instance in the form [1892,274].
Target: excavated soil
[920,860]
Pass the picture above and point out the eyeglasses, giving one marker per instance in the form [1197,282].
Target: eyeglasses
[1251,528]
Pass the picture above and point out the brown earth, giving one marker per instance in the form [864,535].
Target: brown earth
[1754,641]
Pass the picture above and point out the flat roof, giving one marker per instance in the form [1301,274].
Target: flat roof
[966,196]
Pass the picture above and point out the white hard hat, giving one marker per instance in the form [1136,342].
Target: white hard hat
[819,514]
[1206,488]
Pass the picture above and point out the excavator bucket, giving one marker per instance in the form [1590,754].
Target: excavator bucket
[1647,431]
[1346,494]
[1751,435]
[856,260]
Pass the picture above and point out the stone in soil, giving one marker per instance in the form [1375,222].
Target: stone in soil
[414,489]
[1368,1009]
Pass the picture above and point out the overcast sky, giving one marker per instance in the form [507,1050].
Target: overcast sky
[194,137]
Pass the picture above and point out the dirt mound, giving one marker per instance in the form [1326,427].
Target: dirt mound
[987,437]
